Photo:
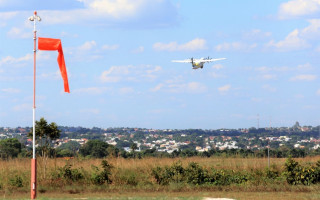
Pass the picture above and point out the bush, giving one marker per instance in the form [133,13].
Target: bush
[69,174]
[297,174]
[195,174]
[272,172]
[175,174]
[218,177]
[127,177]
[16,181]
[101,177]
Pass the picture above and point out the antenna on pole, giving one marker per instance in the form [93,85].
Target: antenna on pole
[269,144]
[34,19]
[258,121]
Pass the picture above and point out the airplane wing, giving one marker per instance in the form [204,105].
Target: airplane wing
[183,61]
[212,60]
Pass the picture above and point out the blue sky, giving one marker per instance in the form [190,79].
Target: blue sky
[118,55]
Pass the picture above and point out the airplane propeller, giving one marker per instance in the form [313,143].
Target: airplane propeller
[192,60]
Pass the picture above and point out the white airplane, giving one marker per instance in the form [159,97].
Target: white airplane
[198,63]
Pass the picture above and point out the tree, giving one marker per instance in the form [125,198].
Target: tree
[9,148]
[133,147]
[68,149]
[95,148]
[45,135]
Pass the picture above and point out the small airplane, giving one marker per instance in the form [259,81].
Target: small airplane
[198,63]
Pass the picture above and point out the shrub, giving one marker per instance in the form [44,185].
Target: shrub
[297,174]
[127,177]
[239,177]
[195,174]
[165,175]
[101,177]
[218,177]
[69,174]
[16,181]
[292,169]
[272,172]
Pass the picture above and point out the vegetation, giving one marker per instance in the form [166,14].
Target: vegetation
[10,148]
[81,175]
[98,166]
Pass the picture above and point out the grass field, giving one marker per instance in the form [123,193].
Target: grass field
[132,179]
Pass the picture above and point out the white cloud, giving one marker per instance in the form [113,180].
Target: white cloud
[191,87]
[256,34]
[257,100]
[268,76]
[119,13]
[267,73]
[5,16]
[126,90]
[224,88]
[195,87]
[88,45]
[19,33]
[117,9]
[10,90]
[299,96]
[304,77]
[216,75]
[193,45]
[115,73]
[110,47]
[138,50]
[173,87]
[3,2]
[291,43]
[318,92]
[298,39]
[91,90]
[9,60]
[52,75]
[269,88]
[157,87]
[130,73]
[304,67]
[22,107]
[217,66]
[235,46]
[298,8]
[66,34]
[312,31]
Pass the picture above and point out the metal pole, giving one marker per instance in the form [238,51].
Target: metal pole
[269,155]
[34,18]
[34,85]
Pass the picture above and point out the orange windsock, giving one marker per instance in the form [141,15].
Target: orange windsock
[50,44]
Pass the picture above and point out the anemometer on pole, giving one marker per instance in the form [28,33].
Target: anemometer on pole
[34,18]
[47,44]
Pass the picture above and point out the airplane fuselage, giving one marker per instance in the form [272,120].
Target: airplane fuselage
[197,65]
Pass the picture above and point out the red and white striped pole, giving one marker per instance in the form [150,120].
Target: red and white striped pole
[34,18]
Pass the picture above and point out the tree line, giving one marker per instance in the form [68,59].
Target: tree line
[46,134]
[12,148]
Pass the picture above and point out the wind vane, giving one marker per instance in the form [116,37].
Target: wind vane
[34,18]
[48,44]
